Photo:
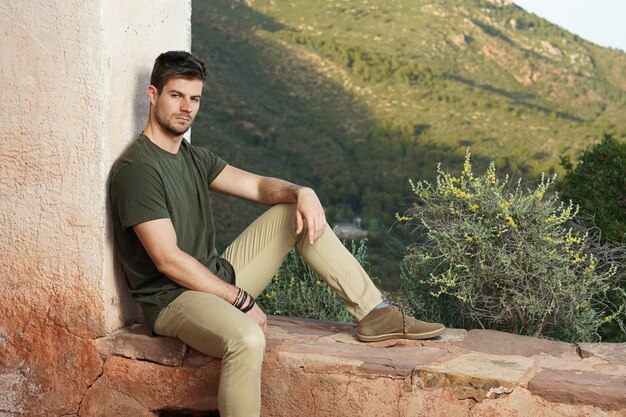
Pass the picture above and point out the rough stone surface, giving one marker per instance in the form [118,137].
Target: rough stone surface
[498,343]
[152,387]
[604,391]
[136,342]
[71,75]
[475,375]
[317,368]
[614,353]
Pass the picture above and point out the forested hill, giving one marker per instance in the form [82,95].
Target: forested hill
[354,97]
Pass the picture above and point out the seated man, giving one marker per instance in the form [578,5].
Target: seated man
[165,237]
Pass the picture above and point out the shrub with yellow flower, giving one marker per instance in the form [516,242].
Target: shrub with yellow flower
[491,253]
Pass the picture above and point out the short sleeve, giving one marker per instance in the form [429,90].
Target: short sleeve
[207,162]
[216,165]
[138,195]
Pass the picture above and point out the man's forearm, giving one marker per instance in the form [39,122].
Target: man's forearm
[274,191]
[187,272]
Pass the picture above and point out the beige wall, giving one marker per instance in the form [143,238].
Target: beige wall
[132,39]
[73,75]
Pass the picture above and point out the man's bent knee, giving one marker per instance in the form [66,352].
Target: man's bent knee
[250,342]
[284,209]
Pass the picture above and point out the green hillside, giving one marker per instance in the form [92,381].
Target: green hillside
[354,97]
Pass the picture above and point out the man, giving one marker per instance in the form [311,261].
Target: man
[165,238]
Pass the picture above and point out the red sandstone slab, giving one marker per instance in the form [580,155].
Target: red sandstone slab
[136,343]
[281,328]
[600,390]
[318,368]
[500,343]
[398,361]
[475,375]
[309,327]
[613,353]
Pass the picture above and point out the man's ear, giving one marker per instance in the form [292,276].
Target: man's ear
[152,93]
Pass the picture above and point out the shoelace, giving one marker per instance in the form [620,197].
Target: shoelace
[405,330]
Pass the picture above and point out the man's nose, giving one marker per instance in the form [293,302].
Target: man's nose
[186,106]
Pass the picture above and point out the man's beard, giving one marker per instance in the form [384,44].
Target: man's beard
[171,127]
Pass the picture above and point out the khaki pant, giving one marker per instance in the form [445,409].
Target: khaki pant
[213,326]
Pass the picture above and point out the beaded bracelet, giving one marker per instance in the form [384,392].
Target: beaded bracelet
[249,306]
[244,301]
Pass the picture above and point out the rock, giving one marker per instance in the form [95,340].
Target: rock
[137,343]
[601,390]
[318,368]
[148,387]
[475,375]
[501,2]
[499,343]
[43,364]
[614,353]
[551,49]
[104,402]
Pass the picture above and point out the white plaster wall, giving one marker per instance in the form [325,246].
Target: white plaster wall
[72,80]
[73,76]
[134,34]
[50,147]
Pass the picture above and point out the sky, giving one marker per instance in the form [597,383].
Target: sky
[598,21]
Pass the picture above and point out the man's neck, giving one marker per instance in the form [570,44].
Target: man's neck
[163,139]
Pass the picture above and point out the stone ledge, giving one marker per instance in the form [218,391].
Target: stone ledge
[318,368]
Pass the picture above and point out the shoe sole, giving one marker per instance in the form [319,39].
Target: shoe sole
[412,336]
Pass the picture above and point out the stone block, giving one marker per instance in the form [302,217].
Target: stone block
[614,353]
[562,386]
[499,343]
[149,387]
[136,342]
[475,375]
[316,368]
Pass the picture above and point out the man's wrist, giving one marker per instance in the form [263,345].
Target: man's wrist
[300,190]
[244,301]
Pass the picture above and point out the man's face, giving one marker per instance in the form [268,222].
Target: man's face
[177,105]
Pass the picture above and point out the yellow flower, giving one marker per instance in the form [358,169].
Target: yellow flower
[539,193]
[505,205]
[475,207]
[491,174]
[467,166]
[577,258]
[402,218]
[511,222]
[572,239]
[318,282]
[592,263]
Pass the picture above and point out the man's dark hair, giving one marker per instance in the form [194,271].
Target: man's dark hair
[176,64]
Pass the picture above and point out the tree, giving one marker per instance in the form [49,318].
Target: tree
[597,183]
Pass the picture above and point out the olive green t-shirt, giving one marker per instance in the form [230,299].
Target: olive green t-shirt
[149,183]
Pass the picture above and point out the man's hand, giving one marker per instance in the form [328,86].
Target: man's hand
[309,208]
[259,316]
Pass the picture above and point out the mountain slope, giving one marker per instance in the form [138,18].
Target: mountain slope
[354,97]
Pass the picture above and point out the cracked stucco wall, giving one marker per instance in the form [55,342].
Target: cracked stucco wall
[73,77]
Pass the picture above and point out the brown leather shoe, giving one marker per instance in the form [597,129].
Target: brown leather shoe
[391,323]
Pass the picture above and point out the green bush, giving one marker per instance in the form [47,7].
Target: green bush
[598,185]
[494,255]
[297,291]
